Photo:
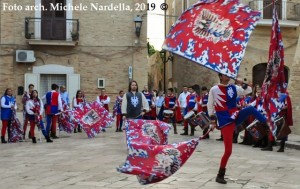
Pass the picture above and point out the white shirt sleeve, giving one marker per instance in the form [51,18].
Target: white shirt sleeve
[3,103]
[59,103]
[29,105]
[124,105]
[75,104]
[41,107]
[180,99]
[241,91]
[211,102]
[107,101]
[145,103]
[98,100]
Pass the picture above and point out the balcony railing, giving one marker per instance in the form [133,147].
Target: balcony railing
[286,10]
[52,29]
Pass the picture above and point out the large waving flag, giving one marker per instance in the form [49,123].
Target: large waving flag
[93,117]
[15,130]
[274,83]
[214,34]
[150,157]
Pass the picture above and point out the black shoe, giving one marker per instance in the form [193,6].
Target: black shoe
[220,177]
[29,135]
[75,131]
[280,150]
[3,140]
[103,130]
[33,140]
[79,131]
[49,140]
[55,137]
[255,146]
[184,133]
[219,139]
[117,130]
[268,148]
[192,134]
[120,130]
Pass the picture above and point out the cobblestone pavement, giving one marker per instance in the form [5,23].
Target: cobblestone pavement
[74,161]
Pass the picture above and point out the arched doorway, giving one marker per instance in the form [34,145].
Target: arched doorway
[259,71]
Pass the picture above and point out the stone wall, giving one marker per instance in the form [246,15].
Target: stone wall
[107,47]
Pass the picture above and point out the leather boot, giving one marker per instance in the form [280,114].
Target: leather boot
[186,129]
[269,147]
[53,135]
[192,131]
[175,129]
[282,144]
[220,139]
[3,140]
[33,140]
[48,139]
[220,176]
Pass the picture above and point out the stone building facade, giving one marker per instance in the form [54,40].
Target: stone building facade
[107,47]
[180,72]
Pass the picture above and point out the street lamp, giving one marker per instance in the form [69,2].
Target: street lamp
[138,25]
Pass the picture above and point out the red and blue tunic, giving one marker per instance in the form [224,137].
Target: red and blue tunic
[222,100]
[170,101]
[52,101]
[149,97]
[191,101]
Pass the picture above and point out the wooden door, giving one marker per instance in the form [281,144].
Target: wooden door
[53,21]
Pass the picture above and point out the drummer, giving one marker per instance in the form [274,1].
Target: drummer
[191,102]
[170,104]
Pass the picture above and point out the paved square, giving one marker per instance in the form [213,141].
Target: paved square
[74,161]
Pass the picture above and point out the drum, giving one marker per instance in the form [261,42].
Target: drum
[205,121]
[257,130]
[189,115]
[200,119]
[241,127]
[168,113]
[281,129]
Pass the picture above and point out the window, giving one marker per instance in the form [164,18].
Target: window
[101,83]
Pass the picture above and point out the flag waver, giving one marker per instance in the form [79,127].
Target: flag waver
[213,34]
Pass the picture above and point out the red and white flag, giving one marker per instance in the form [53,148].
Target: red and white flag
[274,82]
[93,117]
[150,157]
[214,34]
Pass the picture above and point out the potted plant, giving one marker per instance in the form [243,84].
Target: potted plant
[75,36]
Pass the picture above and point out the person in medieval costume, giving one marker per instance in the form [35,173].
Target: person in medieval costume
[224,113]
[134,103]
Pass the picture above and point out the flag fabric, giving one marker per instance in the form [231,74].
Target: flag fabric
[15,129]
[93,117]
[66,120]
[150,157]
[214,34]
[274,83]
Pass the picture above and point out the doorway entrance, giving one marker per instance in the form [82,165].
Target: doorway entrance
[53,24]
